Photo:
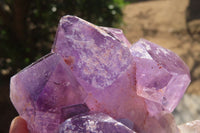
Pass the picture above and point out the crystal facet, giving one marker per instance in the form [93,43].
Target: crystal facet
[95,57]
[42,90]
[95,69]
[161,75]
[94,123]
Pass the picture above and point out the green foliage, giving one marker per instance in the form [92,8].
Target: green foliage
[27,28]
[101,12]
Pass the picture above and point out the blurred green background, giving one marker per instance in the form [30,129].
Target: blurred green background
[27,31]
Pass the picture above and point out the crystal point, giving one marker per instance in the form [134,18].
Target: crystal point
[190,127]
[161,75]
[40,91]
[98,57]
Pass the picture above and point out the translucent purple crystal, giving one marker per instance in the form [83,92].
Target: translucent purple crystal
[41,91]
[95,69]
[161,75]
[95,57]
[93,123]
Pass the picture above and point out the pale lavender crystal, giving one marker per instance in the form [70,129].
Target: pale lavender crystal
[41,91]
[96,57]
[161,75]
[118,34]
[93,123]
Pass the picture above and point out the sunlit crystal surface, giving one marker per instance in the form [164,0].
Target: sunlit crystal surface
[96,57]
[42,90]
[161,75]
[118,34]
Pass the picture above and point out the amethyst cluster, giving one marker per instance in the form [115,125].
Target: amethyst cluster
[95,81]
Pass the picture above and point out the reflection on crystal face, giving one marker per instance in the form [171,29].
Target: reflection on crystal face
[94,123]
[161,75]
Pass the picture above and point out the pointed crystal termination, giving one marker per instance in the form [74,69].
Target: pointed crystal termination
[161,75]
[93,123]
[42,90]
[95,56]
[118,34]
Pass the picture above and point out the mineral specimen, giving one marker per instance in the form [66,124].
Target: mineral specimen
[95,69]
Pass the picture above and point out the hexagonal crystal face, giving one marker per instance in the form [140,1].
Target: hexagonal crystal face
[161,75]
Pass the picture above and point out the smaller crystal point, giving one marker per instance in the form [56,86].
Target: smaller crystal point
[161,75]
[190,127]
[94,123]
[42,90]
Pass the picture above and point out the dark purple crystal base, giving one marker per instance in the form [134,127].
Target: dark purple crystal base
[93,123]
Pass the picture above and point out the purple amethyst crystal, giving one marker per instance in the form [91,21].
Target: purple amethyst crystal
[95,69]
[161,75]
[93,123]
[95,57]
[103,65]
[118,34]
[42,90]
